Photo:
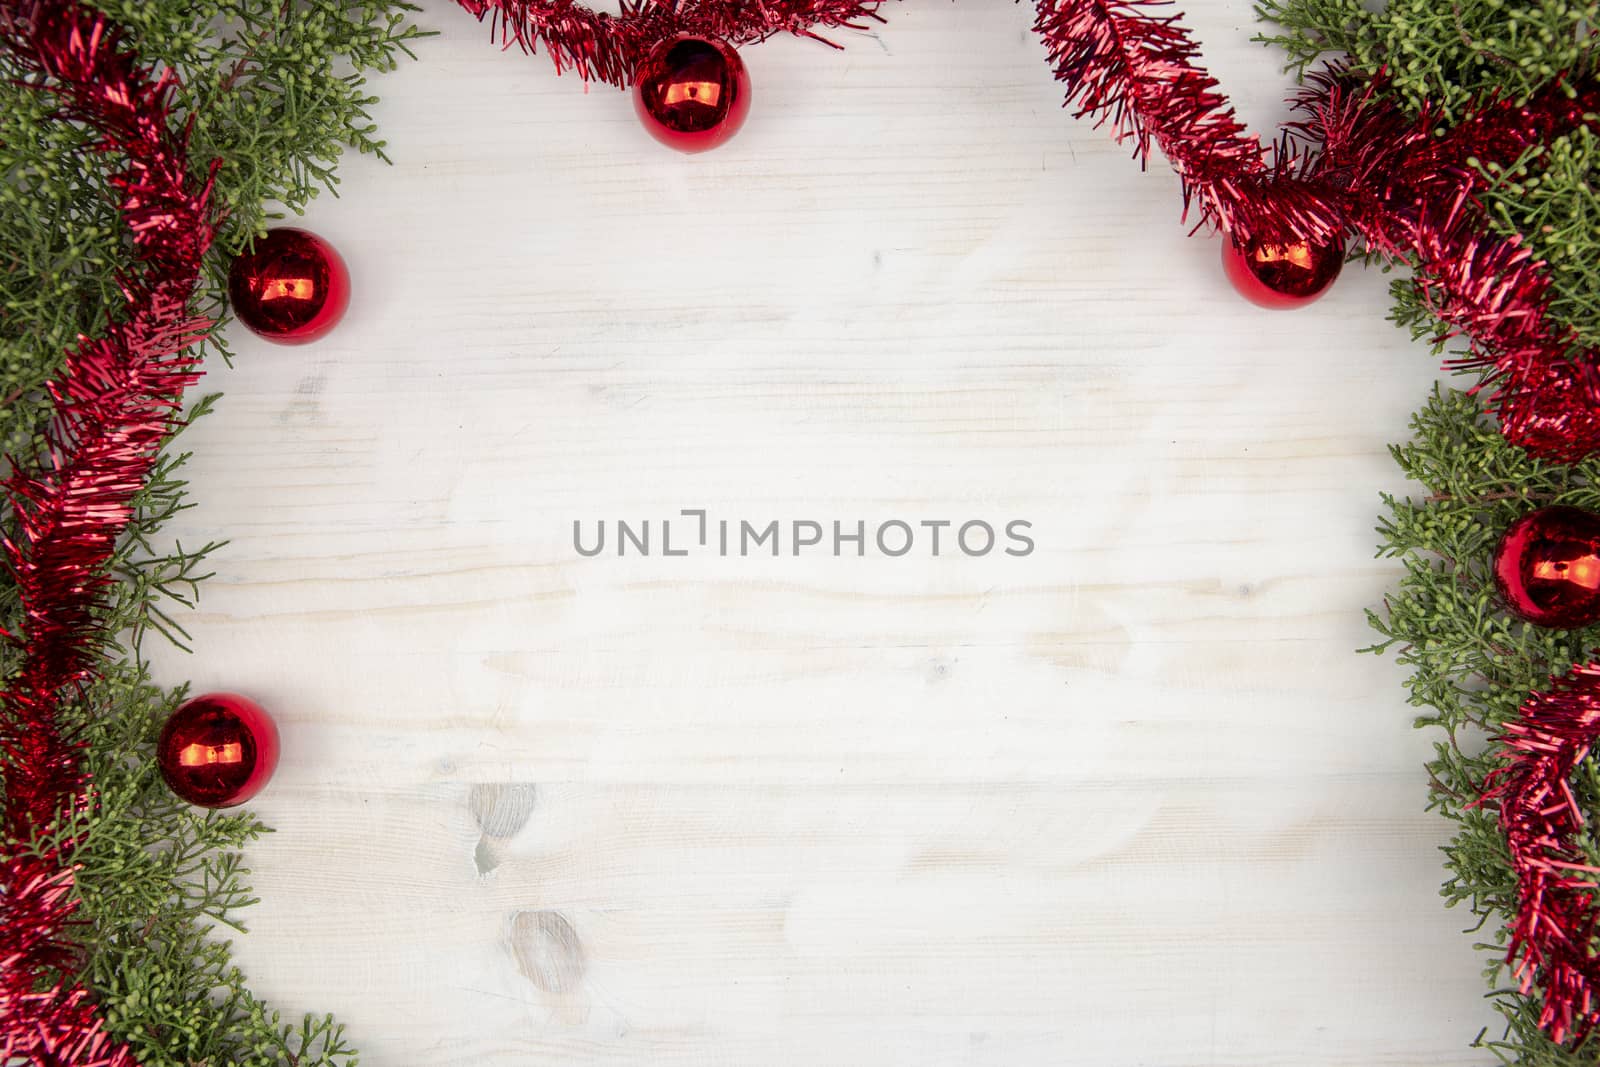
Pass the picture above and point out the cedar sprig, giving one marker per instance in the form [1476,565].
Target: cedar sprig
[1442,55]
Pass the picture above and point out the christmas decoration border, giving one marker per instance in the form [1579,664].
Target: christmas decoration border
[1409,187]
[116,401]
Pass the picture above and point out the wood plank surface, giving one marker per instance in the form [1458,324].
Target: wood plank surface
[1130,799]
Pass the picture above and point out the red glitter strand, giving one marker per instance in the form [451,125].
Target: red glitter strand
[1552,934]
[1355,164]
[116,399]
[608,48]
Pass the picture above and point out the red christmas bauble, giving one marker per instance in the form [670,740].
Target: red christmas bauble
[1548,567]
[1282,275]
[218,750]
[692,93]
[290,287]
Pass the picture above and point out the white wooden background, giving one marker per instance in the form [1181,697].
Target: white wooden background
[1132,800]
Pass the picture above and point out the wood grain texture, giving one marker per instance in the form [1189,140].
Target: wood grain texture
[1130,800]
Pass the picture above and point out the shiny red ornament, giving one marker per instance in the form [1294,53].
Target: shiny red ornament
[290,287]
[1282,276]
[692,93]
[1548,567]
[218,750]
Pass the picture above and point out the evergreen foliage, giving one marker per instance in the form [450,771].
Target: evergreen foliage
[275,91]
[1473,665]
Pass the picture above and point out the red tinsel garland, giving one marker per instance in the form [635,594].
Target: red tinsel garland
[1552,936]
[116,399]
[608,47]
